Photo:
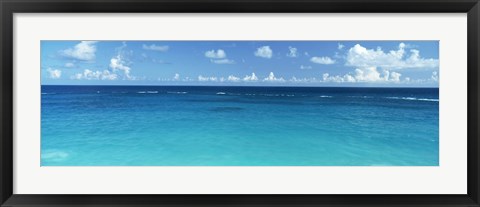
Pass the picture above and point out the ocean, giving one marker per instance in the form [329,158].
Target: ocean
[238,126]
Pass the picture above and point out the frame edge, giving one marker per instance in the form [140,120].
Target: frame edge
[7,198]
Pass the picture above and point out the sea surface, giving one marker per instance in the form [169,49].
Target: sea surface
[238,126]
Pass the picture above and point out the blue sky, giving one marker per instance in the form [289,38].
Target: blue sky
[255,63]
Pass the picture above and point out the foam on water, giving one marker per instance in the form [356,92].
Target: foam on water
[413,99]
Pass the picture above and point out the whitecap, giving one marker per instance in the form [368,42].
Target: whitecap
[360,96]
[428,99]
[325,96]
[152,91]
[413,99]
[177,92]
[221,93]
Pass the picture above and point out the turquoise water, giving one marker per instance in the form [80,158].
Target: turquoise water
[238,126]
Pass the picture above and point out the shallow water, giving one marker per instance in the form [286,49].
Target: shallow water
[238,126]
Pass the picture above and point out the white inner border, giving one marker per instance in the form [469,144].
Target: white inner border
[448,178]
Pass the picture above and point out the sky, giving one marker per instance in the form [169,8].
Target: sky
[241,63]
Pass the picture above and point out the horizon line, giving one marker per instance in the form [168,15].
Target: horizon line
[250,86]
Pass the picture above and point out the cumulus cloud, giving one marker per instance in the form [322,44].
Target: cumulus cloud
[250,78]
[359,56]
[434,76]
[264,52]
[303,80]
[222,61]
[233,78]
[203,78]
[271,78]
[338,79]
[292,52]
[395,77]
[365,75]
[85,50]
[159,48]
[322,60]
[305,67]
[54,73]
[218,54]
[117,63]
[368,74]
[95,75]
[340,46]
[121,63]
[176,77]
[218,57]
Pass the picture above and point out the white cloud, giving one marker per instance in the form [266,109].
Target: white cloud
[222,61]
[264,52]
[218,54]
[434,76]
[303,80]
[306,54]
[203,78]
[69,65]
[251,78]
[292,52]
[359,56]
[349,78]
[368,74]
[322,60]
[271,78]
[159,48]
[305,67]
[218,57]
[95,75]
[121,63]
[395,77]
[365,75]
[338,79]
[233,78]
[340,46]
[176,77]
[54,73]
[117,63]
[85,50]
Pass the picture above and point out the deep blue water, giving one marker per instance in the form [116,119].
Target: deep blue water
[239,126]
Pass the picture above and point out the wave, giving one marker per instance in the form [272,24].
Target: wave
[253,94]
[141,92]
[177,92]
[221,93]
[323,96]
[360,96]
[413,99]
[152,91]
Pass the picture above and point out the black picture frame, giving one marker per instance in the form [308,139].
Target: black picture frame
[9,7]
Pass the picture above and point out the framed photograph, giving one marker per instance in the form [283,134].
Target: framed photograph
[239,103]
